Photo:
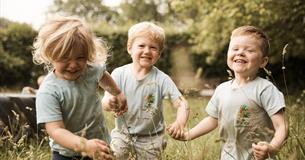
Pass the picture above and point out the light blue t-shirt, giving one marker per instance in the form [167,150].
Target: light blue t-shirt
[144,99]
[77,103]
[244,115]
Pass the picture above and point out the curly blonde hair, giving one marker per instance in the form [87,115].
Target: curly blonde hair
[59,38]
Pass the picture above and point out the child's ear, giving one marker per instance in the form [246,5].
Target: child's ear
[264,62]
[129,48]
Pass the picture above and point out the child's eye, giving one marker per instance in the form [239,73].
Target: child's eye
[81,58]
[153,48]
[141,45]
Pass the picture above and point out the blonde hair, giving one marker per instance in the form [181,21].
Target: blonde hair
[60,37]
[147,29]
[256,33]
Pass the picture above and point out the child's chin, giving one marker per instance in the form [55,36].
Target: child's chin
[146,65]
[72,78]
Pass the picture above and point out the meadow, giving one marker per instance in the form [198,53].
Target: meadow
[19,145]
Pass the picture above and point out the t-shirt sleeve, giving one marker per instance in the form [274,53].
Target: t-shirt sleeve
[212,106]
[47,108]
[170,89]
[272,100]
[101,69]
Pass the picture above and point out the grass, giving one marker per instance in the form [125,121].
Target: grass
[195,149]
[20,143]
[18,146]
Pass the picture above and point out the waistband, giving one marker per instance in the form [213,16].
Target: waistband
[70,158]
[147,135]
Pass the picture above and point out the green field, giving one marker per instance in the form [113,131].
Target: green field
[13,146]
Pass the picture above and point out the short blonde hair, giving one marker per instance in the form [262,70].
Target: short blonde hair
[60,37]
[147,29]
[256,33]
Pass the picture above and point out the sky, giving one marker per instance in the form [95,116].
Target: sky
[32,12]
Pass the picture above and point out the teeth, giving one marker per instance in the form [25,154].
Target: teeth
[146,57]
[239,61]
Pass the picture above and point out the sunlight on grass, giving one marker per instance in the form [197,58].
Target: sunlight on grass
[14,145]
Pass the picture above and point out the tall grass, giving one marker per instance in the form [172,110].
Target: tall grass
[295,145]
[207,147]
[19,142]
[17,145]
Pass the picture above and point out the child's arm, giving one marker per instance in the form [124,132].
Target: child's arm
[117,100]
[176,129]
[263,150]
[94,148]
[203,127]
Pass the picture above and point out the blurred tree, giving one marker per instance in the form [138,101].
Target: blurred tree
[4,23]
[16,64]
[211,23]
[127,13]
[91,10]
[147,10]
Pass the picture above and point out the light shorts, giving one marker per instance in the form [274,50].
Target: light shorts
[142,147]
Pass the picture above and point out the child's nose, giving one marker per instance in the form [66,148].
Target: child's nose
[146,49]
[240,52]
[73,64]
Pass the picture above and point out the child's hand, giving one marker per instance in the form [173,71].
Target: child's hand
[97,149]
[121,107]
[116,104]
[176,130]
[262,150]
[112,103]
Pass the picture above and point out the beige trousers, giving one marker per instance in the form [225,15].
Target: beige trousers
[126,147]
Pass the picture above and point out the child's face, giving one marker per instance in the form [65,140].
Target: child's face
[71,68]
[245,56]
[144,52]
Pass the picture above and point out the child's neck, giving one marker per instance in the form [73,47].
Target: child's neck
[240,81]
[140,72]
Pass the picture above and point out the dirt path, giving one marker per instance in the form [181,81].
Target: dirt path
[182,71]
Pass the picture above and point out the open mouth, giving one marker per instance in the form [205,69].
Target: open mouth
[148,58]
[72,72]
[239,61]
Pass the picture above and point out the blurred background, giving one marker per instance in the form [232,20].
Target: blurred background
[197,33]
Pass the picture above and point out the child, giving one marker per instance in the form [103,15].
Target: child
[249,110]
[68,102]
[140,131]
[31,90]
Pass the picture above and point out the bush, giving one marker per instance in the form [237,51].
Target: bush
[15,54]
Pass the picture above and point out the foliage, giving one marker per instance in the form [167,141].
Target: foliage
[16,46]
[91,10]
[4,23]
[15,54]
[127,13]
[149,10]
[118,55]
[202,25]
[211,22]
